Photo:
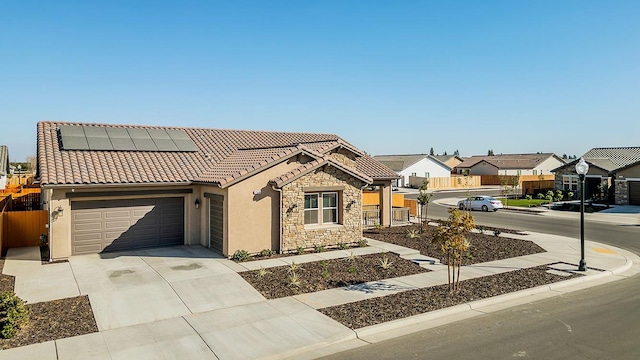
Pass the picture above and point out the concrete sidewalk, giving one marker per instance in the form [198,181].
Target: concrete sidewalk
[282,328]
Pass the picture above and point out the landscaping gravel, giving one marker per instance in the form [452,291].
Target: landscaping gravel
[413,302]
[484,247]
[315,276]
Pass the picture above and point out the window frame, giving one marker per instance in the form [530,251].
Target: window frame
[320,208]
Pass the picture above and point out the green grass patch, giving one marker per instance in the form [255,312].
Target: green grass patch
[523,202]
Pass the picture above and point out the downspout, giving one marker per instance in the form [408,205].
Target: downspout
[390,204]
[50,225]
[280,217]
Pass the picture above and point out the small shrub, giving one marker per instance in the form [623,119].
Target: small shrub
[363,243]
[262,272]
[324,273]
[293,267]
[300,250]
[240,256]
[480,229]
[507,250]
[267,253]
[352,257]
[352,268]
[294,280]
[385,264]
[342,245]
[13,314]
[318,248]
[540,196]
[496,232]
[412,233]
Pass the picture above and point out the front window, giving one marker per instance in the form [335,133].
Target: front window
[311,209]
[321,208]
[570,182]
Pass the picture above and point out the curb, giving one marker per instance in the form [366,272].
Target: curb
[474,308]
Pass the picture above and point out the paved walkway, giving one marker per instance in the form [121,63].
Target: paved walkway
[186,302]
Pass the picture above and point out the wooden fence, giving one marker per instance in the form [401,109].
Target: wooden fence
[443,183]
[23,228]
[534,187]
[412,205]
[508,179]
[373,198]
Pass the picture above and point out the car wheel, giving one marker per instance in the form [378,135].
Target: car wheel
[485,208]
[461,206]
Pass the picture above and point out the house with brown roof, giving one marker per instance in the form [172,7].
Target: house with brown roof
[116,187]
[613,176]
[510,164]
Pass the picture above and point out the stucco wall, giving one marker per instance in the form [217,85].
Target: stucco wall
[349,229]
[483,168]
[632,172]
[423,166]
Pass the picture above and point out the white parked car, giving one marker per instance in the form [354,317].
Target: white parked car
[484,203]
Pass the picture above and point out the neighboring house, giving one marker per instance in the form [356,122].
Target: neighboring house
[116,187]
[421,165]
[451,160]
[510,164]
[4,166]
[613,172]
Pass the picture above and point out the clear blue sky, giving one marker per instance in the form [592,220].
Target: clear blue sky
[387,76]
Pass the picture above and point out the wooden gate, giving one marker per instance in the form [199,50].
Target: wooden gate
[23,228]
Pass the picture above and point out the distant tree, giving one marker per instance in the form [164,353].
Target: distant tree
[456,153]
[445,153]
[490,152]
[564,156]
[431,152]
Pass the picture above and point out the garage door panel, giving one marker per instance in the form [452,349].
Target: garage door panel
[108,225]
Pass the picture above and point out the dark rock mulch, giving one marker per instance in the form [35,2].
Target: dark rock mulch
[50,320]
[484,247]
[413,302]
[328,274]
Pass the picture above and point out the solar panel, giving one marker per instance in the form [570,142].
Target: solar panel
[165,145]
[104,138]
[185,145]
[145,145]
[158,134]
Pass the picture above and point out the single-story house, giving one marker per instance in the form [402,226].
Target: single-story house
[116,187]
[510,164]
[4,166]
[422,165]
[613,172]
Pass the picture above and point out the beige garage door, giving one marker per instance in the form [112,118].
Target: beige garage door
[634,192]
[110,225]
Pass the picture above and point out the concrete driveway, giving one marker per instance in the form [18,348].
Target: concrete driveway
[135,287]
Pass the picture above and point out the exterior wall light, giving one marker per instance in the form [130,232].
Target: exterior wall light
[59,210]
[197,203]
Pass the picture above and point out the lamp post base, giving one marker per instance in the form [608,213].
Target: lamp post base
[582,266]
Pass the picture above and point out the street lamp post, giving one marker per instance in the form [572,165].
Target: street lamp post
[582,168]
[19,175]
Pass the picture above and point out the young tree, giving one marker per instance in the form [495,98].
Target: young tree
[451,237]
[431,152]
[515,183]
[456,153]
[504,189]
[423,200]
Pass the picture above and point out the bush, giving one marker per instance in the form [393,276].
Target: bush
[267,253]
[13,314]
[240,256]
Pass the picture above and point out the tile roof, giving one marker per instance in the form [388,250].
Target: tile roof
[222,157]
[4,160]
[507,161]
[304,169]
[620,156]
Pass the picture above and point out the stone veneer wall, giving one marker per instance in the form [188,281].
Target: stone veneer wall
[622,192]
[295,233]
[343,156]
[557,180]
